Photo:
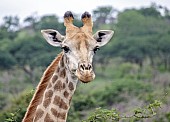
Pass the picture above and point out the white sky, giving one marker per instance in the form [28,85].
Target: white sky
[24,8]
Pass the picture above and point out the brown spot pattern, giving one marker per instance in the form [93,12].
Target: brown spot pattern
[54,112]
[39,114]
[47,102]
[70,85]
[63,73]
[49,94]
[54,79]
[66,94]
[48,119]
[62,115]
[58,86]
[59,102]
[63,105]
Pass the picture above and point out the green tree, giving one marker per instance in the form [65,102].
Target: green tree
[11,23]
[138,36]
[130,42]
[50,22]
[152,11]
[164,49]
[31,21]
[103,15]
[9,27]
[6,60]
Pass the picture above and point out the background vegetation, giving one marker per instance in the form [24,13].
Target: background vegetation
[132,71]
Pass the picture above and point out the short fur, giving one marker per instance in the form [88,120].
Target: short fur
[40,89]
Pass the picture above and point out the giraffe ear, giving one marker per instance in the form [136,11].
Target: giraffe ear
[103,37]
[53,37]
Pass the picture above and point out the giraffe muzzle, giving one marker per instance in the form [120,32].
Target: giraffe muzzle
[85,72]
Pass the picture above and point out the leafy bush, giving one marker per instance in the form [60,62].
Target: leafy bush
[3,101]
[83,102]
[113,93]
[105,115]
[16,112]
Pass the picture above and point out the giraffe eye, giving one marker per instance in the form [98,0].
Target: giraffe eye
[66,49]
[96,49]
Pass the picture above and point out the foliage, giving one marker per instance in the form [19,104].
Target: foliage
[120,88]
[82,102]
[3,101]
[50,22]
[6,60]
[103,15]
[105,115]
[18,108]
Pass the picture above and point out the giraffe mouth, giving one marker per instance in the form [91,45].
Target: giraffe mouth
[85,76]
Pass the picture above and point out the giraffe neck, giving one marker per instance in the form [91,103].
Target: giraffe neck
[37,98]
[57,96]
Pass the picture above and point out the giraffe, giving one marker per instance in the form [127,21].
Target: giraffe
[51,100]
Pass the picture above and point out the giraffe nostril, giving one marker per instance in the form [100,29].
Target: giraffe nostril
[82,67]
[85,66]
[89,66]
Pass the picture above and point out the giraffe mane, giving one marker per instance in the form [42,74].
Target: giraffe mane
[40,89]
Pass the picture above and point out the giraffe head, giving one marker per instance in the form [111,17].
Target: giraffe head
[79,45]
